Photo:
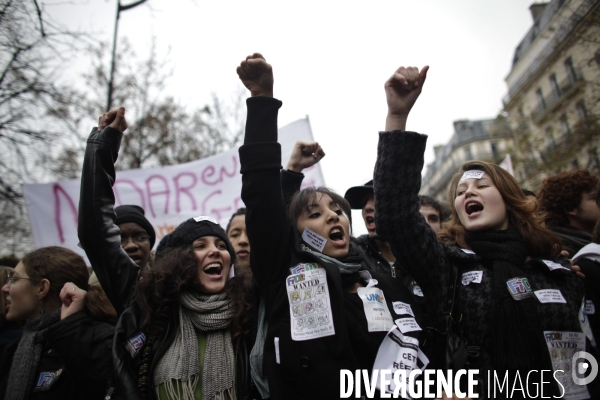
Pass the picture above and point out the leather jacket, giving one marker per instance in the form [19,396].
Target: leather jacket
[100,237]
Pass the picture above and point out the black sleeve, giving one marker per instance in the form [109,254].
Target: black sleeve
[266,222]
[397,181]
[98,234]
[291,182]
[84,346]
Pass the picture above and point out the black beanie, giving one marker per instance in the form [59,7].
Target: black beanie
[192,229]
[131,213]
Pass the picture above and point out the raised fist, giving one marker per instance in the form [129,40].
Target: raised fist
[257,75]
[401,91]
[304,155]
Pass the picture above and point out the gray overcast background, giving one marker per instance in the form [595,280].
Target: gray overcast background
[330,60]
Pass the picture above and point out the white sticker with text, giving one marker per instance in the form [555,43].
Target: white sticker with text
[407,325]
[473,276]
[314,240]
[206,218]
[473,174]
[376,309]
[550,296]
[417,291]
[554,265]
[402,308]
[589,308]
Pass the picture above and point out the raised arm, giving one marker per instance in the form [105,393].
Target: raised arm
[266,221]
[100,237]
[397,181]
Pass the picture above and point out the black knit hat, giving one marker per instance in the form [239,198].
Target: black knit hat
[131,213]
[192,229]
[357,195]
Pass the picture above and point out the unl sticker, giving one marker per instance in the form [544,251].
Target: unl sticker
[519,288]
[46,380]
[135,343]
[472,174]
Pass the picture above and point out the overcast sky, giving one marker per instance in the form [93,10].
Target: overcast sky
[330,60]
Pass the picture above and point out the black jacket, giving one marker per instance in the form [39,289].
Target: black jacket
[309,368]
[372,258]
[397,183]
[78,347]
[117,273]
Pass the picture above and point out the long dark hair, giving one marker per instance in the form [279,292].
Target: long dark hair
[301,200]
[176,270]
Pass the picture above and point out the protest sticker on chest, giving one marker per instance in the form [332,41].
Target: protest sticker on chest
[402,308]
[472,276]
[407,325]
[376,309]
[550,296]
[554,265]
[519,288]
[310,306]
[398,352]
[562,347]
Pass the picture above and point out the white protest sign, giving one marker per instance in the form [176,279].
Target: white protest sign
[169,195]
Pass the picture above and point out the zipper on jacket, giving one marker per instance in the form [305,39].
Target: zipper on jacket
[393,271]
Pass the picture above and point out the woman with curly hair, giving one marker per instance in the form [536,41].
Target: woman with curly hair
[492,278]
[180,333]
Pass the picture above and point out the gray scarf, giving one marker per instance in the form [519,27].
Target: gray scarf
[27,357]
[345,267]
[179,368]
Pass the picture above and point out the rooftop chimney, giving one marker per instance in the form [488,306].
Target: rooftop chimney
[536,9]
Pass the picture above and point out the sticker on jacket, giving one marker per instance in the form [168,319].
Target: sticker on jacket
[584,323]
[398,352]
[298,269]
[468,251]
[135,343]
[472,277]
[314,240]
[407,325]
[562,347]
[46,380]
[554,265]
[519,288]
[376,310]
[550,296]
[589,307]
[402,308]
[417,291]
[310,307]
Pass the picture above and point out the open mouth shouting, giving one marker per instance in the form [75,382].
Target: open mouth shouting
[370,222]
[473,208]
[337,236]
[214,270]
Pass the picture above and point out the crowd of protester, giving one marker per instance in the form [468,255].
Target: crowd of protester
[283,299]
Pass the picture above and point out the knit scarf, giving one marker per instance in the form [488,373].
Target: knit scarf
[179,368]
[348,266]
[27,357]
[517,342]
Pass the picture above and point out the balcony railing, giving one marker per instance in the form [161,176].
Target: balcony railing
[566,87]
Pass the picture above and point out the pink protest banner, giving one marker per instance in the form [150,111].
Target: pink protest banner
[169,195]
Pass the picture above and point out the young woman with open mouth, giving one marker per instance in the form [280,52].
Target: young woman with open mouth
[182,324]
[323,313]
[492,278]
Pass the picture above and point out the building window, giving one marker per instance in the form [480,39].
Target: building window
[468,153]
[554,85]
[581,110]
[564,125]
[494,146]
[540,99]
[570,69]
[550,137]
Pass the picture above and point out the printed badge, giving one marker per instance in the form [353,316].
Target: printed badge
[135,343]
[473,276]
[562,347]
[314,240]
[310,308]
[302,268]
[554,265]
[402,308]
[476,174]
[398,352]
[519,288]
[550,296]
[584,323]
[589,307]
[376,309]
[407,325]
[46,380]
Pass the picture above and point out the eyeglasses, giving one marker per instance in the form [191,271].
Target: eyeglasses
[140,239]
[10,278]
